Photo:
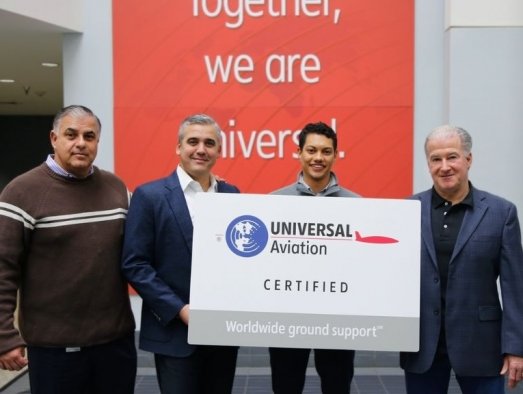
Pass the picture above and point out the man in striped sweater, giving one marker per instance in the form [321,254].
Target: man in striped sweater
[61,228]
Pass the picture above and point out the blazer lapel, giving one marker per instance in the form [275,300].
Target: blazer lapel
[176,200]
[471,220]
[426,226]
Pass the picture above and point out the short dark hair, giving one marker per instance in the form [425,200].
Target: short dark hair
[318,128]
[75,110]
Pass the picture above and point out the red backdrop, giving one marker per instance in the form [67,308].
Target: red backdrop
[352,68]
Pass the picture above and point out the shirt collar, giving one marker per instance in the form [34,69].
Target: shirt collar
[333,181]
[186,182]
[57,169]
[438,201]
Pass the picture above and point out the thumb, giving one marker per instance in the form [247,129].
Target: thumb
[504,369]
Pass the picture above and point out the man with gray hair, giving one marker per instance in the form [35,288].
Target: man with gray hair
[157,259]
[61,233]
[470,239]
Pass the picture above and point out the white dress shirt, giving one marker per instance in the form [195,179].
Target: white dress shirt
[190,187]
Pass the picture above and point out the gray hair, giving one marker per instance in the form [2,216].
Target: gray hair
[74,110]
[201,119]
[449,131]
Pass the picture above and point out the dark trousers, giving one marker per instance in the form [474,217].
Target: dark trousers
[101,369]
[210,369]
[288,366]
[436,381]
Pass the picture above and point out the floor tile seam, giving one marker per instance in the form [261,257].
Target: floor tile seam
[266,371]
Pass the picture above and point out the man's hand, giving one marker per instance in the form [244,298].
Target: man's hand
[13,360]
[184,314]
[514,366]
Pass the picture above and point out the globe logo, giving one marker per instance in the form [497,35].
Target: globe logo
[246,236]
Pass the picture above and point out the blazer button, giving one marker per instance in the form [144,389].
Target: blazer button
[436,312]
[436,280]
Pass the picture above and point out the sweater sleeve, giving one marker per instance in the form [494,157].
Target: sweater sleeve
[15,227]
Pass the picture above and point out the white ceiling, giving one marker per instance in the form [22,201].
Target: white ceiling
[24,44]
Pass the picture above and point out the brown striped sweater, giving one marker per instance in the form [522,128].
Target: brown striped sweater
[60,245]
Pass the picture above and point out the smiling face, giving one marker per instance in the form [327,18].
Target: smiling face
[317,158]
[449,165]
[75,143]
[198,150]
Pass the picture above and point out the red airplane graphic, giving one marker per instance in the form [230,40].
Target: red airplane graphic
[375,239]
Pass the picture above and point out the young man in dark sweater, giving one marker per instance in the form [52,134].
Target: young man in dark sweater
[61,229]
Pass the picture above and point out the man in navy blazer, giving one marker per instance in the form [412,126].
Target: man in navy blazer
[470,238]
[157,262]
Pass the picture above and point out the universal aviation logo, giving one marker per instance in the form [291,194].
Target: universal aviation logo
[247,236]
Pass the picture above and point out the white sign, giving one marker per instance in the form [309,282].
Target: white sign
[317,272]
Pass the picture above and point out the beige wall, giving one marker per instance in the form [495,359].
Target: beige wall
[66,14]
[483,13]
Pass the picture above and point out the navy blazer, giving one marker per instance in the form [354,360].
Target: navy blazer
[156,260]
[478,331]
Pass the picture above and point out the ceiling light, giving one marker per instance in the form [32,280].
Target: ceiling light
[7,80]
[49,64]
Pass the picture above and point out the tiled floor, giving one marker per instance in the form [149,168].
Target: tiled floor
[375,373]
